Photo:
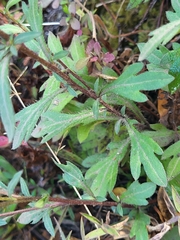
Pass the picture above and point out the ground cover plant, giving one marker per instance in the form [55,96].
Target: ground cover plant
[91,113]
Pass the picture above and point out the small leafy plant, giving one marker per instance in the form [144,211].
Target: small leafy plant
[108,127]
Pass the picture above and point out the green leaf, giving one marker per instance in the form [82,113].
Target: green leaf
[32,216]
[11,3]
[41,202]
[60,55]
[135,3]
[6,108]
[73,176]
[142,152]
[162,136]
[176,198]
[139,229]
[91,218]
[117,126]
[92,159]
[28,118]
[10,29]
[83,131]
[5,165]
[176,4]
[160,35]
[173,168]
[54,44]
[95,108]
[137,193]
[129,86]
[77,51]
[25,37]
[172,150]
[60,123]
[24,188]
[155,57]
[120,209]
[103,174]
[13,183]
[34,17]
[2,222]
[48,224]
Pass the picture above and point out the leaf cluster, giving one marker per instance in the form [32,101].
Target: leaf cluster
[109,137]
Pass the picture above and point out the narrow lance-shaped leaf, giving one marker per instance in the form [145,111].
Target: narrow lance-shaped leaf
[14,181]
[28,118]
[142,152]
[48,223]
[25,37]
[6,108]
[34,16]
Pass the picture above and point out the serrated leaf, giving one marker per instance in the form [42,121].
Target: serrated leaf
[6,108]
[160,35]
[137,193]
[142,152]
[13,183]
[28,118]
[48,224]
[60,123]
[129,86]
[24,187]
[25,37]
[103,174]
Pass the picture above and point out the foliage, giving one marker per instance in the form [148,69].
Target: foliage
[107,127]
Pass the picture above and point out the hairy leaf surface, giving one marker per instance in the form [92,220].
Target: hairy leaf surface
[28,117]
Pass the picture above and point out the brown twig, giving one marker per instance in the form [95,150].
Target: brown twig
[53,67]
